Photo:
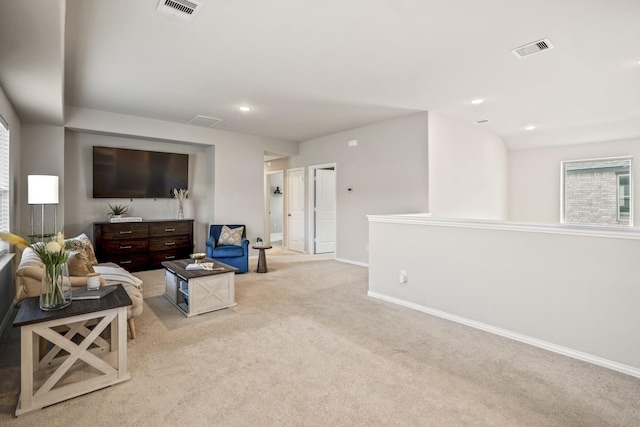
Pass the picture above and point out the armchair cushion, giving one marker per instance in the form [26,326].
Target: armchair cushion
[228,251]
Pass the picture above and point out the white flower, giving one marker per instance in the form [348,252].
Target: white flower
[53,246]
[180,194]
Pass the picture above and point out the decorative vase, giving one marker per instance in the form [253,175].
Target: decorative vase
[56,287]
[180,194]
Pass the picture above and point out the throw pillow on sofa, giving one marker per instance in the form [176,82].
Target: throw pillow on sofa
[230,236]
[83,257]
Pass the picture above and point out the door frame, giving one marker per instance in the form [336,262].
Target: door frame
[267,206]
[311,220]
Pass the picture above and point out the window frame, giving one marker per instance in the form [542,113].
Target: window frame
[5,181]
[624,196]
[599,159]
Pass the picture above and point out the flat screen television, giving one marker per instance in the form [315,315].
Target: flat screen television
[126,173]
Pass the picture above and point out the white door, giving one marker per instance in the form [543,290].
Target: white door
[325,211]
[295,210]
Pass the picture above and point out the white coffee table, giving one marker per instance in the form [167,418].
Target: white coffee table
[199,291]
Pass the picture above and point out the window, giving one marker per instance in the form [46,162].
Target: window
[597,191]
[4,180]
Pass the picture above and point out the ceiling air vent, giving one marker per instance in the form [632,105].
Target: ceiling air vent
[183,9]
[531,48]
[204,121]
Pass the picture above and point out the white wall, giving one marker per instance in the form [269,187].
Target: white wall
[42,148]
[467,170]
[565,289]
[276,202]
[239,186]
[387,172]
[534,178]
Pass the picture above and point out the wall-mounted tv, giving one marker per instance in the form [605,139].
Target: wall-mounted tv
[126,173]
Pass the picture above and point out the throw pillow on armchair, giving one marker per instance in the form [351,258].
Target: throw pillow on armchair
[231,236]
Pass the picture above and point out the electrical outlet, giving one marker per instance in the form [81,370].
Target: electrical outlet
[403,276]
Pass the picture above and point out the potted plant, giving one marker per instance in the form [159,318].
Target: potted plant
[116,211]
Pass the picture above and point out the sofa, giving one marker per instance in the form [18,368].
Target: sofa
[229,245]
[82,262]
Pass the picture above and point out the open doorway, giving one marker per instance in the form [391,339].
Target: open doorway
[322,215]
[275,206]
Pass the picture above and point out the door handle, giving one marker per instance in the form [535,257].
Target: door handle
[289,215]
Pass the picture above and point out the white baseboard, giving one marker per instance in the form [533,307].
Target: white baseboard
[348,261]
[565,351]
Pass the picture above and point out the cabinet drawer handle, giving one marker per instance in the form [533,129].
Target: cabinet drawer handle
[125,262]
[169,243]
[170,257]
[126,232]
[125,247]
[169,229]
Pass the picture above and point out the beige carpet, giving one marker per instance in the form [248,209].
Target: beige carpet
[306,347]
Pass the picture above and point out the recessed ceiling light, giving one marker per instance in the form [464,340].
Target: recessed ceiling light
[244,108]
[477,101]
[530,127]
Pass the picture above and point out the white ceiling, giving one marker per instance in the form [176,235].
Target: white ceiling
[311,68]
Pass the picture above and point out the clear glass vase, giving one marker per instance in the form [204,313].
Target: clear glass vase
[55,292]
[180,210]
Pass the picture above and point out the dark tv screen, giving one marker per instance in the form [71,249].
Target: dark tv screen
[125,173]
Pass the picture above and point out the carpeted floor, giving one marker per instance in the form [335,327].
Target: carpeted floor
[306,347]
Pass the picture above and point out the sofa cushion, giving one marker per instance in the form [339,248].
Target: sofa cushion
[228,251]
[230,236]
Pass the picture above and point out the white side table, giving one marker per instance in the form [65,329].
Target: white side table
[59,375]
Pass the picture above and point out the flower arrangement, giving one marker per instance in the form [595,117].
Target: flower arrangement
[180,194]
[54,254]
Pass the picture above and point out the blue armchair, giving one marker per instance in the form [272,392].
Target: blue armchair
[235,256]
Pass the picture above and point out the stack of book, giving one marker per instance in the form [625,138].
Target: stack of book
[85,293]
[127,219]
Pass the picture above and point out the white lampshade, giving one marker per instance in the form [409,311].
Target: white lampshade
[42,190]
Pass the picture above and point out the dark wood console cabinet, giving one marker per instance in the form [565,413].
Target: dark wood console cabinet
[143,245]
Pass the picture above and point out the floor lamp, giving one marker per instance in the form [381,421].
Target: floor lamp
[43,190]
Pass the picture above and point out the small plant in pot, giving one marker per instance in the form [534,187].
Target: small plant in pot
[116,211]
